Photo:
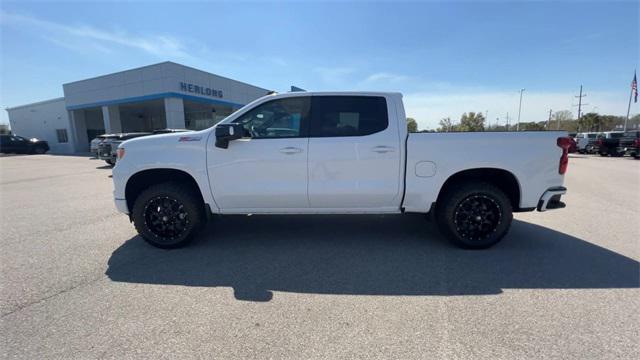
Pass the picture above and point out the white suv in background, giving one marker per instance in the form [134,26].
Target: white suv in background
[585,142]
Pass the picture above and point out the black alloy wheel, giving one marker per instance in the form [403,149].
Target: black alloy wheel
[477,217]
[166,217]
[474,215]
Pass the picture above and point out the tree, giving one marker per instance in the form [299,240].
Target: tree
[533,125]
[472,121]
[562,119]
[446,125]
[634,122]
[412,125]
[4,129]
[562,115]
[589,122]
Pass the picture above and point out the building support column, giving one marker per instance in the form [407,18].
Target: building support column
[111,117]
[174,113]
[79,132]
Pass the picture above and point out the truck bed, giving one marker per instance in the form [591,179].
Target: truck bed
[433,157]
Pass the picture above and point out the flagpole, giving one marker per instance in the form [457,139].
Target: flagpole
[626,120]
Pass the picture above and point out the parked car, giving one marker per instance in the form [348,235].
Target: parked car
[21,145]
[573,145]
[607,143]
[107,147]
[629,144]
[337,153]
[585,142]
[95,143]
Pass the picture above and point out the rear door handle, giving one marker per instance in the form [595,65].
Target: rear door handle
[381,149]
[290,150]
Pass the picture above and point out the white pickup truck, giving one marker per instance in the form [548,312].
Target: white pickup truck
[336,153]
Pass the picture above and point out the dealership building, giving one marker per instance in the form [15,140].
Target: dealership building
[165,95]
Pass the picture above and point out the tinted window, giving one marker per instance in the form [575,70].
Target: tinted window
[348,115]
[278,118]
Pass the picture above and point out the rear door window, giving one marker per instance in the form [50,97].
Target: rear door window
[336,116]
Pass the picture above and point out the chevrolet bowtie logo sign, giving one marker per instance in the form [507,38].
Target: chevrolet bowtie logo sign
[201,90]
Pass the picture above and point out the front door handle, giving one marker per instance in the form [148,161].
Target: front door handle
[290,150]
[381,149]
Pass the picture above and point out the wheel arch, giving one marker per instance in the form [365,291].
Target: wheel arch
[146,178]
[502,179]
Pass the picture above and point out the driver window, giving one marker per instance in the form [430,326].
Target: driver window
[279,118]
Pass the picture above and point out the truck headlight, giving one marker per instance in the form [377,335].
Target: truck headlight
[120,153]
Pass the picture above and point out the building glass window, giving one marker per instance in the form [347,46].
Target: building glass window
[199,116]
[62,135]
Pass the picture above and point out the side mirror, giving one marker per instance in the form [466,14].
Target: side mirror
[226,133]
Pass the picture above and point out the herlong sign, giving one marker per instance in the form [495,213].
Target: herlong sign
[200,90]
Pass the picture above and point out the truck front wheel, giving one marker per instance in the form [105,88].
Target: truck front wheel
[474,215]
[168,215]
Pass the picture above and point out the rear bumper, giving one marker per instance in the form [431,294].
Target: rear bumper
[551,199]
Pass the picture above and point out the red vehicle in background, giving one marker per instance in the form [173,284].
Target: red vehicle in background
[573,145]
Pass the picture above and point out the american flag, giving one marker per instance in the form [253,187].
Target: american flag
[634,88]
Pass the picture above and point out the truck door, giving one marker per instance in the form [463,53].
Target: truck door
[354,153]
[266,169]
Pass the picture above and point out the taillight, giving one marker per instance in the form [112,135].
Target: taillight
[564,143]
[637,142]
[599,142]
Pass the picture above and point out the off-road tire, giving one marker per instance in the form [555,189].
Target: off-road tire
[179,195]
[449,212]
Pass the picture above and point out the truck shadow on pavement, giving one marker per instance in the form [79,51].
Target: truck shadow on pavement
[369,255]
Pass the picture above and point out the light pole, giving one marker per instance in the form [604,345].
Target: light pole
[519,110]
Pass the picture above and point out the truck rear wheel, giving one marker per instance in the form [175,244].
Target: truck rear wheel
[474,215]
[168,215]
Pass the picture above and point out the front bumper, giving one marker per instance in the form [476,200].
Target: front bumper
[121,205]
[551,199]
[628,150]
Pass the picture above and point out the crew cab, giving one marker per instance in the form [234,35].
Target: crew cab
[336,153]
[608,142]
[629,144]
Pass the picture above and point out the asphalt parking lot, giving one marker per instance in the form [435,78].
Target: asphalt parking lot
[76,281]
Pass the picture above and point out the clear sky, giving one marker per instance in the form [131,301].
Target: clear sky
[445,57]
